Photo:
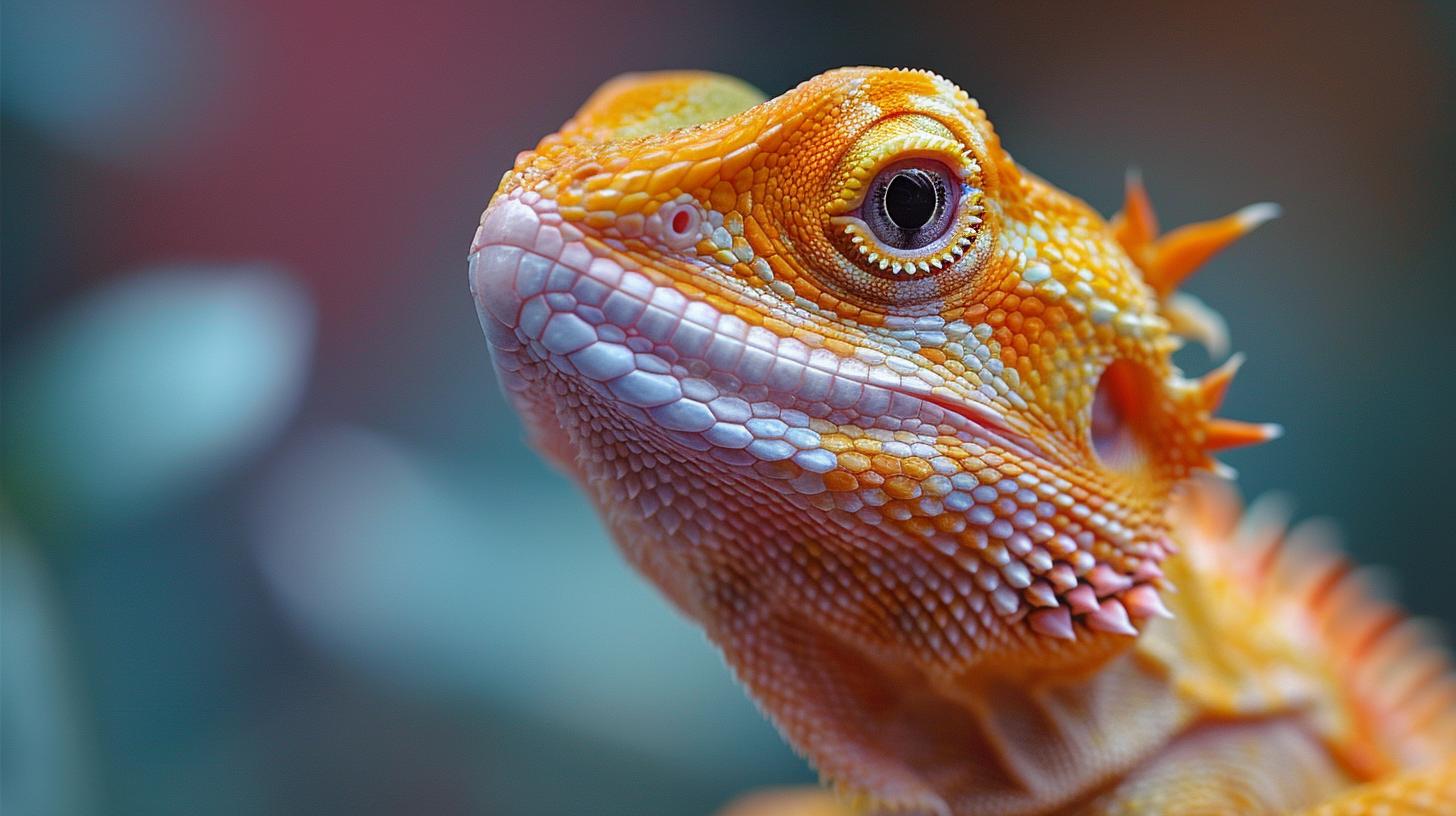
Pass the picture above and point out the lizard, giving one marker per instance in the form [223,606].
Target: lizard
[896,422]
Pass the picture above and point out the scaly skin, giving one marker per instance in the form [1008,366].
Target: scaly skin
[925,503]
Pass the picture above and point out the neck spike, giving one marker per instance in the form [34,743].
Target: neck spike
[1215,383]
[1222,434]
[1137,225]
[1176,256]
[1169,260]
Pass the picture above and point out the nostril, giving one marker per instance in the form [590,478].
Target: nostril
[681,222]
[1121,399]
[676,224]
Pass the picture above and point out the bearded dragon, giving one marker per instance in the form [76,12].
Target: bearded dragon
[896,422]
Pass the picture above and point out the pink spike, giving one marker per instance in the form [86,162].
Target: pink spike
[1148,570]
[1062,577]
[1112,617]
[1040,593]
[1083,600]
[1107,581]
[1144,602]
[1055,623]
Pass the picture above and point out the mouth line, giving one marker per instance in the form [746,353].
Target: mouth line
[985,420]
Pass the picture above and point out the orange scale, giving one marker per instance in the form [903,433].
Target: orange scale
[723,197]
[885,464]
[781,268]
[948,523]
[757,237]
[806,336]
[1056,317]
[916,468]
[854,462]
[778,326]
[919,525]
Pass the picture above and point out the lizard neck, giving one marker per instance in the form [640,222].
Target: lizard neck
[996,736]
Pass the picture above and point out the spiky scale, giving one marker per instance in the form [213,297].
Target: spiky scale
[1144,602]
[1112,617]
[1221,434]
[1055,623]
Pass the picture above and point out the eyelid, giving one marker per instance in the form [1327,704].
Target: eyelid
[918,145]
[923,259]
[869,251]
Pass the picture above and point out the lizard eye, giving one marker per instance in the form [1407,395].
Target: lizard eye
[911,204]
[916,217]
[904,209]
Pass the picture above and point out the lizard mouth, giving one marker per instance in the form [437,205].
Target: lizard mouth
[985,421]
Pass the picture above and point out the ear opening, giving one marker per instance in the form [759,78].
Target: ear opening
[1124,397]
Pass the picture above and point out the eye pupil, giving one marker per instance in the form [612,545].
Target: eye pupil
[909,214]
[911,198]
[910,205]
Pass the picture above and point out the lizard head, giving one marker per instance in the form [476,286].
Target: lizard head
[835,360]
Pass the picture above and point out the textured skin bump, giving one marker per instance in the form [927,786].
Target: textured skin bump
[1425,792]
[927,500]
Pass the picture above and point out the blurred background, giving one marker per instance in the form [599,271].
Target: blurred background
[272,542]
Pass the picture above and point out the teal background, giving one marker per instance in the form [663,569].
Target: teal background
[272,542]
